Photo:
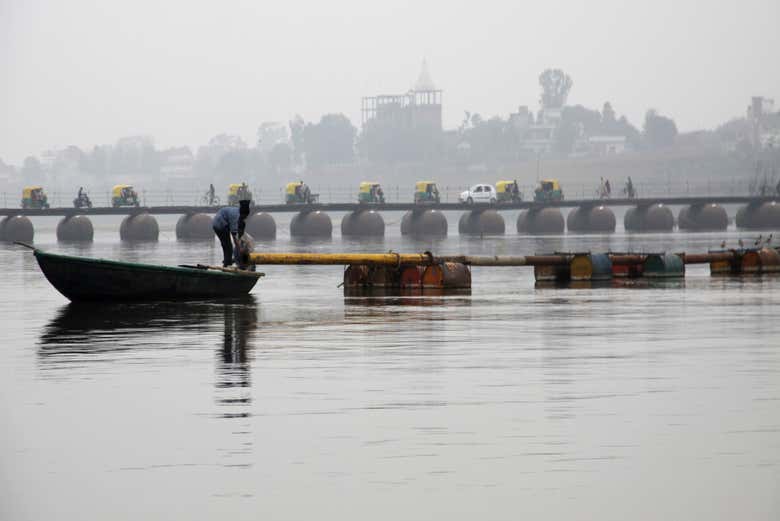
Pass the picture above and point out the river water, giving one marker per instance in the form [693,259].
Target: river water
[625,402]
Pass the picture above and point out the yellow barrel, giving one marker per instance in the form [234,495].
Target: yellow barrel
[590,266]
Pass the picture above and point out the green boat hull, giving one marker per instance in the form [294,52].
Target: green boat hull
[83,280]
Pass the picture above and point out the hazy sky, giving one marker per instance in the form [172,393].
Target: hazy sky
[79,72]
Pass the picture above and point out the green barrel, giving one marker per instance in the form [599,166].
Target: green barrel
[663,265]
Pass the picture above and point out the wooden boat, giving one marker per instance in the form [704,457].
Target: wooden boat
[82,279]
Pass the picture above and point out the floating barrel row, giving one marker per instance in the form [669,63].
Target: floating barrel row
[602,267]
[750,261]
[443,275]
[422,223]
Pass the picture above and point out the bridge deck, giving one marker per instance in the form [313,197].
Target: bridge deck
[349,207]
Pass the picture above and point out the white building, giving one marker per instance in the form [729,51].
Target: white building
[607,145]
[177,164]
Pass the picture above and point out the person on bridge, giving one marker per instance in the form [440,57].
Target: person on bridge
[212,194]
[629,190]
[608,187]
[228,225]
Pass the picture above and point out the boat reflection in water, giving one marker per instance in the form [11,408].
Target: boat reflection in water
[89,329]
[97,338]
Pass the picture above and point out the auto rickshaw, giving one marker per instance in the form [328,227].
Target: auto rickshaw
[124,195]
[34,197]
[371,193]
[238,192]
[299,193]
[508,192]
[426,192]
[549,190]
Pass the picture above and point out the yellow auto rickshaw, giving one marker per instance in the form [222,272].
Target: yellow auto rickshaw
[549,190]
[34,197]
[426,192]
[371,193]
[508,192]
[300,193]
[124,195]
[238,192]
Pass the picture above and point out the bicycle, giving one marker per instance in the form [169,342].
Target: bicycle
[209,200]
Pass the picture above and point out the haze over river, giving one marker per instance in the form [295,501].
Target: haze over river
[511,402]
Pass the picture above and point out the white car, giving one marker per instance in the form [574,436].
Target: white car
[479,194]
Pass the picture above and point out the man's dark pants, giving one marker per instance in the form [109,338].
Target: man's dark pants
[227,245]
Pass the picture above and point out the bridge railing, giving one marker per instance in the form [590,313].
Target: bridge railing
[331,193]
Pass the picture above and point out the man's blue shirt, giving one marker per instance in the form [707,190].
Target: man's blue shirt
[226,219]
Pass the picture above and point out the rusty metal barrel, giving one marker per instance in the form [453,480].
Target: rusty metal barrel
[411,277]
[447,275]
[770,260]
[764,260]
[552,272]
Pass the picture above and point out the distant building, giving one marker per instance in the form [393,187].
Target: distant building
[540,136]
[607,145]
[761,136]
[418,109]
[176,164]
[6,172]
[270,134]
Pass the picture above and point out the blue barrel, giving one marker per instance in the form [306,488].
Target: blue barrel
[663,265]
[591,266]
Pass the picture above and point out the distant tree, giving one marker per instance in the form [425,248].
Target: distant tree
[633,136]
[233,165]
[659,131]
[69,162]
[32,169]
[489,141]
[134,154]
[98,160]
[331,141]
[297,126]
[556,86]
[576,121]
[611,125]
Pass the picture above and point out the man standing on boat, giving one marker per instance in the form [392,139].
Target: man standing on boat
[229,224]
